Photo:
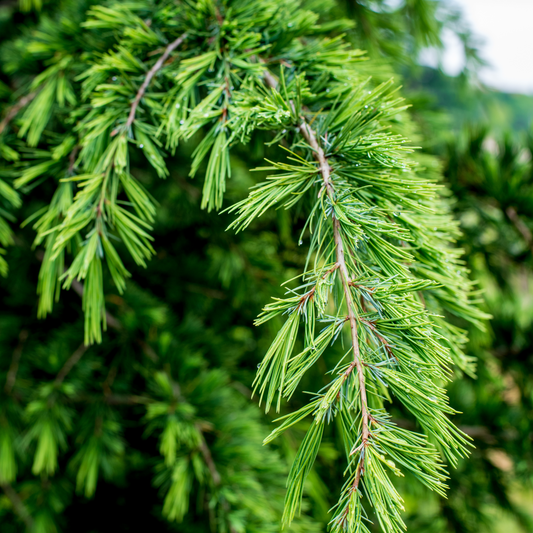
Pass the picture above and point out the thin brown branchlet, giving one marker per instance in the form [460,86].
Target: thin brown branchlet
[18,505]
[12,113]
[325,170]
[151,73]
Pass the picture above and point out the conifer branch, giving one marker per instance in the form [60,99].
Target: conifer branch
[132,400]
[151,73]
[310,136]
[379,235]
[318,152]
[346,281]
[362,226]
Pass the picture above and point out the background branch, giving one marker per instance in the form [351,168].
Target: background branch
[18,505]
[520,226]
[13,369]
[12,113]
[71,361]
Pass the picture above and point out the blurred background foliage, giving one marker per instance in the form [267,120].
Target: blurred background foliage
[196,303]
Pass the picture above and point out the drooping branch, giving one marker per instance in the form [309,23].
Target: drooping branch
[151,73]
[318,152]
[310,136]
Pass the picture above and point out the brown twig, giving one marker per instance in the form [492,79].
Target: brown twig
[118,399]
[193,192]
[110,378]
[13,369]
[353,488]
[520,226]
[72,159]
[208,458]
[310,136]
[18,505]
[111,399]
[12,113]
[148,351]
[311,294]
[151,73]
[69,365]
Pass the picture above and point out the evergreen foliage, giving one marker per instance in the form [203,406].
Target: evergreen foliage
[105,89]
[491,176]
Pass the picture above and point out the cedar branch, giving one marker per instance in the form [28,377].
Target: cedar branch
[310,136]
[151,73]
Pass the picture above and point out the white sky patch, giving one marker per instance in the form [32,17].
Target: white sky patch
[506,30]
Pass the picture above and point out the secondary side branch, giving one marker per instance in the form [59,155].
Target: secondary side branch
[151,73]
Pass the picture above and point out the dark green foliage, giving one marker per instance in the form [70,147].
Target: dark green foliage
[160,405]
[492,178]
